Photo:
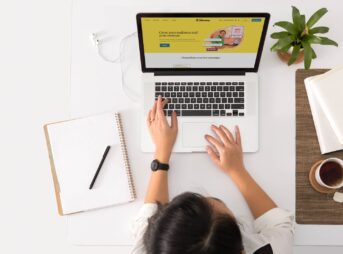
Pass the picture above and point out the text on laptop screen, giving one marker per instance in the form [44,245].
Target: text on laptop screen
[203,42]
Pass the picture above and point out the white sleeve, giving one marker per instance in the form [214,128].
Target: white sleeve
[140,225]
[277,228]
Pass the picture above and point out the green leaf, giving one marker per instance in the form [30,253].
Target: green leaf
[279,35]
[314,55]
[313,39]
[273,48]
[316,16]
[302,23]
[288,26]
[283,42]
[319,30]
[286,48]
[327,41]
[295,54]
[296,18]
[307,54]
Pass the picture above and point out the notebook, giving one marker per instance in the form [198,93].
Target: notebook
[327,139]
[328,89]
[75,149]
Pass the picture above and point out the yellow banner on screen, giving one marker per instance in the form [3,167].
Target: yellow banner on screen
[202,35]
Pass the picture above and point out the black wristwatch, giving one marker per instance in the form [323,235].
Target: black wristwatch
[156,165]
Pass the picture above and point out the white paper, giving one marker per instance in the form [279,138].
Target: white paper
[328,89]
[328,141]
[338,197]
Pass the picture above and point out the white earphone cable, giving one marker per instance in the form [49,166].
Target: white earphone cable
[133,95]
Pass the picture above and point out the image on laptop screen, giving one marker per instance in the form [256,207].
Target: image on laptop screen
[201,42]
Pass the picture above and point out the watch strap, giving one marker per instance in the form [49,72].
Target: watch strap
[163,166]
[156,165]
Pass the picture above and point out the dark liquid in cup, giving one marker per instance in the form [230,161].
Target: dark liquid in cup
[331,173]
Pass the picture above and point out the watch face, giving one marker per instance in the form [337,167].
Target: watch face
[154,165]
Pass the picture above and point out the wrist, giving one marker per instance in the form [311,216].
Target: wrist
[162,157]
[237,171]
[239,174]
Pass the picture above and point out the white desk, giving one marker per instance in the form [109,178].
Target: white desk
[35,89]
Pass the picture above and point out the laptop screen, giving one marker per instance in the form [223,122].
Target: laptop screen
[201,42]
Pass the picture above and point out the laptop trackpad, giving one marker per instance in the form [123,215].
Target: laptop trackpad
[193,134]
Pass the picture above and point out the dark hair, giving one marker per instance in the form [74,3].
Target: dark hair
[222,31]
[189,225]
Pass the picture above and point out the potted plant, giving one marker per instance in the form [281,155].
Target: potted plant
[294,44]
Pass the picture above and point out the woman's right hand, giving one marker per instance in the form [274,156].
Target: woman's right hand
[226,150]
[162,134]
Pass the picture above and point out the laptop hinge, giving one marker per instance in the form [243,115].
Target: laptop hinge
[199,73]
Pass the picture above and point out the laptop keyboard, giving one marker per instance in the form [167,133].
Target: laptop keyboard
[202,98]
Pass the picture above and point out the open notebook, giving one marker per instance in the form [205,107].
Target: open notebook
[76,148]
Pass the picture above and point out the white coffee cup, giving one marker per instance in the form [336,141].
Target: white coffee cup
[319,174]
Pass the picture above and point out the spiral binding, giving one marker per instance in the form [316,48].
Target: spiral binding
[125,155]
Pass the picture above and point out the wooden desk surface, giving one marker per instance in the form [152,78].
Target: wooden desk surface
[312,207]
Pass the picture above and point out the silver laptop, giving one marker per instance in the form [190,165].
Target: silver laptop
[206,65]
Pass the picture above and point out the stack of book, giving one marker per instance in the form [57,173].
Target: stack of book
[325,95]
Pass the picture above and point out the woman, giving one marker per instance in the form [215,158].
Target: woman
[221,36]
[192,223]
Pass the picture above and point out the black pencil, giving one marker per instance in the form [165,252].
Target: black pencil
[99,167]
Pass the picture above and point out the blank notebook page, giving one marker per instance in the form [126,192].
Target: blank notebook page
[77,148]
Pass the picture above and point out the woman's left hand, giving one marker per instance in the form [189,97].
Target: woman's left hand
[162,134]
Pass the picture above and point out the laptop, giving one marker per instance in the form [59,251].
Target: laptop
[206,65]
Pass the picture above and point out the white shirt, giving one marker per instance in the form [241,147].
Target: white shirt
[275,227]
